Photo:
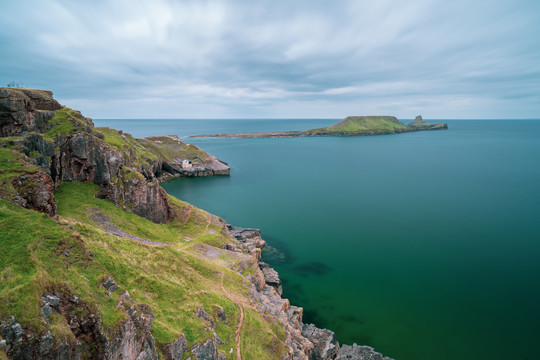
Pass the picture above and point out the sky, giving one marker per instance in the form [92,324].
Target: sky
[193,59]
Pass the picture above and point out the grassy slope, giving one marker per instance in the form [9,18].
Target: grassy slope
[175,280]
[364,123]
[168,148]
[148,150]
[33,263]
[12,165]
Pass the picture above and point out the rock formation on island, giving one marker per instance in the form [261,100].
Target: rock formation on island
[99,262]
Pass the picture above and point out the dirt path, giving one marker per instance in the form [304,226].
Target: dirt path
[238,354]
[103,221]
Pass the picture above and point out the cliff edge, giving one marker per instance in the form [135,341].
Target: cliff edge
[64,146]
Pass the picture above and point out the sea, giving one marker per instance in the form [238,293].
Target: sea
[423,245]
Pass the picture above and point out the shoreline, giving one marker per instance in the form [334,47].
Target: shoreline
[267,294]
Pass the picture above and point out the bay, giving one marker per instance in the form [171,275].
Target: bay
[423,245]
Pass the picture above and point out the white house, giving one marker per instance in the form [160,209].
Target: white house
[187,164]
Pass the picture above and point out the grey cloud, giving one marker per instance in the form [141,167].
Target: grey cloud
[267,58]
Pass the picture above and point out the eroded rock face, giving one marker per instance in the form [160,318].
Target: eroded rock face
[133,340]
[19,114]
[43,99]
[33,191]
[83,158]
[176,349]
[324,342]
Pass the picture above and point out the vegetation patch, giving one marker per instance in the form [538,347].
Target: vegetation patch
[42,259]
[363,123]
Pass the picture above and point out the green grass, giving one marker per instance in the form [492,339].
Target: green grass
[62,123]
[33,264]
[168,149]
[364,123]
[77,201]
[174,280]
[13,165]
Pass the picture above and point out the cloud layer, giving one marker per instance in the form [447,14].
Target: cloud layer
[223,59]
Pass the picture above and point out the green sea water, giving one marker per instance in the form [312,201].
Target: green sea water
[423,245]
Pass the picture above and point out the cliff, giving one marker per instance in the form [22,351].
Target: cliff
[99,262]
[350,126]
[66,146]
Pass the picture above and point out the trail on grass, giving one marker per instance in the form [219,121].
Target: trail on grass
[238,354]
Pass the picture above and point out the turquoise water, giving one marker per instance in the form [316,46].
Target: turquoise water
[423,245]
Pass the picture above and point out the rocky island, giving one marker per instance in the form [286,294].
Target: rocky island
[350,126]
[99,262]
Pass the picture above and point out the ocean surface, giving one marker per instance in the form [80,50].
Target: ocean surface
[423,245]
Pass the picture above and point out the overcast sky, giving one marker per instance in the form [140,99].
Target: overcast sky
[278,59]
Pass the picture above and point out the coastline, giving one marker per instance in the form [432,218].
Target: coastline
[267,294]
[309,133]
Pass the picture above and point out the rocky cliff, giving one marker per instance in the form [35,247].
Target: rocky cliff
[305,341]
[67,147]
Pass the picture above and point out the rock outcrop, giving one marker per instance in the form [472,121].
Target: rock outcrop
[305,341]
[420,124]
[132,340]
[20,114]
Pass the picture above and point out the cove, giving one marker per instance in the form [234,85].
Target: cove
[422,245]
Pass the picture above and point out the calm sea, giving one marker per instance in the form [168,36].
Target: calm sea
[423,245]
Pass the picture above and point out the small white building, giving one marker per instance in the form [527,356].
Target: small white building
[187,164]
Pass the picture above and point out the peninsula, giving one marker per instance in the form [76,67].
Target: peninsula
[350,126]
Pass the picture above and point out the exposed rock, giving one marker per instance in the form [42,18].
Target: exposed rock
[176,349]
[84,158]
[18,114]
[43,99]
[31,190]
[420,124]
[148,351]
[133,340]
[250,238]
[258,279]
[110,285]
[206,351]
[325,345]
[46,311]
[220,313]
[202,314]
[304,341]
[356,352]
[271,277]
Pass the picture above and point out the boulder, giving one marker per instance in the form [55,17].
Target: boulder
[176,349]
[325,345]
[356,352]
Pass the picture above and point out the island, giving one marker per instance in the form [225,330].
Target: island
[350,126]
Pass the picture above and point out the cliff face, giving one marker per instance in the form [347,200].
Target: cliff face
[132,340]
[67,147]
